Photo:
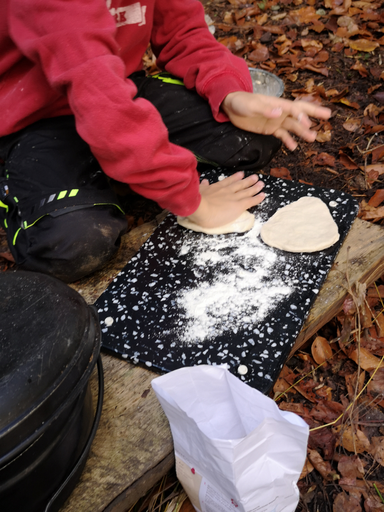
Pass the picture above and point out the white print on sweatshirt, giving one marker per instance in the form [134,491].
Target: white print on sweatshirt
[129,15]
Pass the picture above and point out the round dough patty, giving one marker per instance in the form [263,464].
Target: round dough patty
[306,225]
[242,224]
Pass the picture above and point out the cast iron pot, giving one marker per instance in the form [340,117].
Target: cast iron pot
[49,344]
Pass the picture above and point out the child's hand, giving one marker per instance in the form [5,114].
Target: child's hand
[224,201]
[269,115]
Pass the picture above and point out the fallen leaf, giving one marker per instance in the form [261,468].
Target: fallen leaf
[292,77]
[347,161]
[374,167]
[337,97]
[321,350]
[376,290]
[307,468]
[358,66]
[376,385]
[350,466]
[311,43]
[377,449]
[305,15]
[352,124]
[324,159]
[297,408]
[363,45]
[379,96]
[350,381]
[262,20]
[324,440]
[371,177]
[366,359]
[324,134]
[353,440]
[327,411]
[281,172]
[369,213]
[259,54]
[377,198]
[352,104]
[377,154]
[346,503]
[373,503]
[322,466]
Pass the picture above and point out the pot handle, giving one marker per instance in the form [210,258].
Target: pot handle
[87,447]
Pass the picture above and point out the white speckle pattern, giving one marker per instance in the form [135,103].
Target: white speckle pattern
[188,298]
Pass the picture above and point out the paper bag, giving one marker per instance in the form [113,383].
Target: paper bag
[235,450]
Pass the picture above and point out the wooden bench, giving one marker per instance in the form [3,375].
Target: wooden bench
[133,446]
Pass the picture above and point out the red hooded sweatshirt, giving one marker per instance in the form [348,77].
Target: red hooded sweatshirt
[63,57]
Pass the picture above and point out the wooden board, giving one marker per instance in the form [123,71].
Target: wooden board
[133,446]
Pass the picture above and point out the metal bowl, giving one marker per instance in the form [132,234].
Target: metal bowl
[266,83]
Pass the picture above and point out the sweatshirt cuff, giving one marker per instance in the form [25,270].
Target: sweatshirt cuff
[218,88]
[186,203]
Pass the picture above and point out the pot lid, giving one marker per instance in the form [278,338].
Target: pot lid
[49,338]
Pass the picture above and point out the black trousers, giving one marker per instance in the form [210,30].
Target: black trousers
[56,204]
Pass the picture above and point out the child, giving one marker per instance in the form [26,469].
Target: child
[71,118]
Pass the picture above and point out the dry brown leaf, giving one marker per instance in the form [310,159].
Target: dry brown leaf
[352,124]
[307,468]
[281,386]
[352,104]
[324,136]
[297,408]
[262,20]
[369,213]
[350,466]
[377,154]
[377,198]
[367,360]
[354,441]
[363,45]
[377,449]
[376,385]
[259,54]
[281,172]
[350,381]
[347,161]
[324,159]
[321,350]
[380,324]
[373,503]
[305,15]
[292,77]
[358,66]
[311,43]
[346,503]
[374,167]
[322,466]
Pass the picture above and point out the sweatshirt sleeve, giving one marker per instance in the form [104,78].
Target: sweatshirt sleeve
[185,47]
[74,44]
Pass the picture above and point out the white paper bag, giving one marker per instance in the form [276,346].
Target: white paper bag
[235,450]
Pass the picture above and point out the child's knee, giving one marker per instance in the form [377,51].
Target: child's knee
[72,245]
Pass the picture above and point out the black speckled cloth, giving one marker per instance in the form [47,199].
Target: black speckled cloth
[188,298]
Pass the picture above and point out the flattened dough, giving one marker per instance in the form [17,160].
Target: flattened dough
[306,225]
[242,224]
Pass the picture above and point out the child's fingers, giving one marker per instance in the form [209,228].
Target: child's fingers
[250,190]
[286,138]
